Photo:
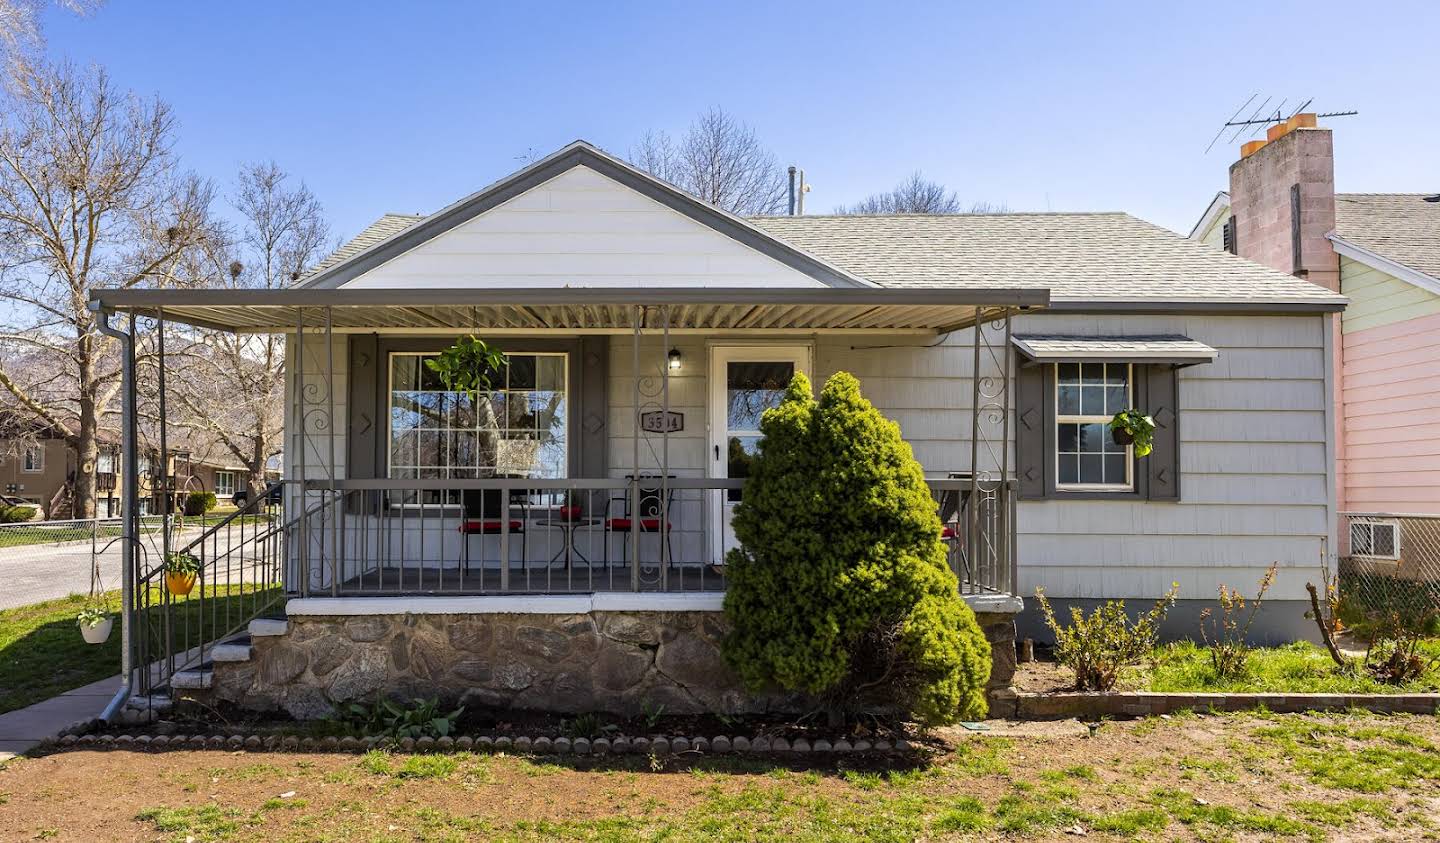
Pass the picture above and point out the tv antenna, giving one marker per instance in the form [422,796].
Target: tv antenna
[1263,115]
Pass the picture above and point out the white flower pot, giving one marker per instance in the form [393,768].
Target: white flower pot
[99,633]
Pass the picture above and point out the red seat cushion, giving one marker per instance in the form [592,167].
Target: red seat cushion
[646,524]
[489,525]
[947,532]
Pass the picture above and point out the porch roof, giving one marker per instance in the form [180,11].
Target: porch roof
[573,310]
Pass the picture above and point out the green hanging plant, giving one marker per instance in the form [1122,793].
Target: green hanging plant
[1133,427]
[467,366]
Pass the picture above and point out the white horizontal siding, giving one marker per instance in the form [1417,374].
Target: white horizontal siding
[1254,480]
[580,229]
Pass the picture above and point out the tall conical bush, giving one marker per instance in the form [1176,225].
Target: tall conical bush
[840,587]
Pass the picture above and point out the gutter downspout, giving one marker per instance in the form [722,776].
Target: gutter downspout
[128,538]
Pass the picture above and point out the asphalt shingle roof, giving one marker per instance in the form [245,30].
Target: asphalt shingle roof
[1402,227]
[1080,257]
[375,232]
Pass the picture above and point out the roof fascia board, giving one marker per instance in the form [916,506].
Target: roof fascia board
[569,296]
[1218,308]
[1219,204]
[574,155]
[1384,264]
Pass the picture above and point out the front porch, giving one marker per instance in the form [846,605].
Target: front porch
[601,468]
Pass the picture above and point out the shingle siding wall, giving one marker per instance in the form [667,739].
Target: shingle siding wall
[1391,393]
[1253,474]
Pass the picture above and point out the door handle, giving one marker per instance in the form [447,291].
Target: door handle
[717,453]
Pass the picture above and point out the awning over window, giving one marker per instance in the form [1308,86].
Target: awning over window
[1172,348]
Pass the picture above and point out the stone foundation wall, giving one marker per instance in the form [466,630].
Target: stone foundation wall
[599,661]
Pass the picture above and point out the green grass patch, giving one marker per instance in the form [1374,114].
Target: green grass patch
[42,653]
[1188,810]
[1300,667]
[1354,757]
[207,822]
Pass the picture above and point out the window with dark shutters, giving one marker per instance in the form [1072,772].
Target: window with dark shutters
[1039,435]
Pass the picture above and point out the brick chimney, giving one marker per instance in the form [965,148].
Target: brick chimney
[1282,201]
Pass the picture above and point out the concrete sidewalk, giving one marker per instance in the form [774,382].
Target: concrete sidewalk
[23,728]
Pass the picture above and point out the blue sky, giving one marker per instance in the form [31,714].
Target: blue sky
[1066,106]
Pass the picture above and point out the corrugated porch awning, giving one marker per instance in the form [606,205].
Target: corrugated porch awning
[576,310]
[1172,348]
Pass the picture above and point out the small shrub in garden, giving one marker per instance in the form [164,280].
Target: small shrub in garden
[16,514]
[1097,648]
[199,503]
[1229,650]
[840,588]
[387,718]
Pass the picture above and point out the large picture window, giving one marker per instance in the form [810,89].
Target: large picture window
[518,429]
[1087,395]
[224,484]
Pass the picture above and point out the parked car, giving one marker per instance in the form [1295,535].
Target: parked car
[271,499]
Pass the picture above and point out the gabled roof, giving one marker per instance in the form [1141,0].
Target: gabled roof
[1219,205]
[391,237]
[1080,258]
[1399,228]
[1396,233]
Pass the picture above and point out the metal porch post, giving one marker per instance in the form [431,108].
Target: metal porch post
[665,454]
[639,317]
[129,534]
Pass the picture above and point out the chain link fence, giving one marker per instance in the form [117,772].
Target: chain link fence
[1390,561]
[45,560]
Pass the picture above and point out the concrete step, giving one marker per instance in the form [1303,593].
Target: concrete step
[268,627]
[198,679]
[236,649]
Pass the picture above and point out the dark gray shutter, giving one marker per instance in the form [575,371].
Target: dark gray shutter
[594,378]
[1031,450]
[363,430]
[1162,402]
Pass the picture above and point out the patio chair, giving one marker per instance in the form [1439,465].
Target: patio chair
[953,506]
[651,513]
[485,513]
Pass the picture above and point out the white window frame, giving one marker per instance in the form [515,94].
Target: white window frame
[1129,484]
[229,490]
[1390,524]
[390,405]
[33,460]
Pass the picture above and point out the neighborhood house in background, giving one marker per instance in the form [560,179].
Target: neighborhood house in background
[595,278]
[1382,252]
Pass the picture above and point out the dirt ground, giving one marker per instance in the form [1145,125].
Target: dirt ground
[1232,777]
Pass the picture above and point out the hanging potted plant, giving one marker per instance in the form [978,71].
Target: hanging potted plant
[95,624]
[181,568]
[1132,427]
[467,366]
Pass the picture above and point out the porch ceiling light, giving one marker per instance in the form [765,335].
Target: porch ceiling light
[674,358]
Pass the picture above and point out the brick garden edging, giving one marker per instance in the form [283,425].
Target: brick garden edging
[1145,703]
[620,745]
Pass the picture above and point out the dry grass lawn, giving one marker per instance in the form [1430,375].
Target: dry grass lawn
[1234,777]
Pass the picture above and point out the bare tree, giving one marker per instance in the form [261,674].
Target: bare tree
[917,195]
[231,386]
[90,196]
[720,161]
[20,31]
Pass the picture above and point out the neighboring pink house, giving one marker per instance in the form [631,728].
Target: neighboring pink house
[1382,251]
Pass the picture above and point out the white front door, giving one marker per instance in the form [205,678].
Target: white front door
[745,381]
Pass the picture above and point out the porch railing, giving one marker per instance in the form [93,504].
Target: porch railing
[573,536]
[241,558]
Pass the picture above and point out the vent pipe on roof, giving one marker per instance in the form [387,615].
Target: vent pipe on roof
[792,190]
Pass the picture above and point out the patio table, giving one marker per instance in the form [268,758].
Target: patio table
[567,528]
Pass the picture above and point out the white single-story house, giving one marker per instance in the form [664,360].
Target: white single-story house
[561,543]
